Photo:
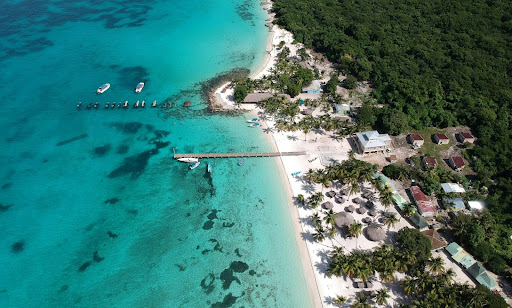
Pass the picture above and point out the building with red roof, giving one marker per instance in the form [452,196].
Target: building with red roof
[465,137]
[415,139]
[440,138]
[429,161]
[456,162]
[425,206]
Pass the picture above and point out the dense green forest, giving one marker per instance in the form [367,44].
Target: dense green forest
[431,63]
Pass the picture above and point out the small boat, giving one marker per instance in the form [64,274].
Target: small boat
[139,87]
[143,104]
[194,165]
[136,105]
[253,120]
[153,105]
[296,173]
[113,105]
[119,105]
[209,169]
[79,105]
[254,125]
[89,106]
[188,159]
[125,104]
[96,105]
[241,162]
[107,105]
[104,87]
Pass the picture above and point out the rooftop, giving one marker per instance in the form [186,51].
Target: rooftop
[416,137]
[423,203]
[372,139]
[466,135]
[453,248]
[435,238]
[453,187]
[456,203]
[476,205]
[441,136]
[430,161]
[458,161]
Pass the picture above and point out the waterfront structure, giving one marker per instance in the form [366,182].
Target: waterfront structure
[465,137]
[415,139]
[429,161]
[425,207]
[371,142]
[440,138]
[456,162]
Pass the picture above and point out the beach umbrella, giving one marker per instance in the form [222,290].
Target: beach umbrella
[350,208]
[369,205]
[375,232]
[332,193]
[361,210]
[343,219]
[339,200]
[343,192]
[372,213]
[328,205]
[357,200]
[367,220]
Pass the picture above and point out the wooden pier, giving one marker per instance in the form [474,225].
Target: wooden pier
[228,155]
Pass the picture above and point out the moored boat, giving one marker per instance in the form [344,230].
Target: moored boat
[104,87]
[89,106]
[107,105]
[254,125]
[241,162]
[143,104]
[113,105]
[209,168]
[139,87]
[253,120]
[79,105]
[296,173]
[153,105]
[194,165]
[136,105]
[125,104]
[188,159]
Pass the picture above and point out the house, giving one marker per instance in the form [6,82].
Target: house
[314,88]
[476,205]
[385,180]
[425,207]
[453,188]
[435,238]
[480,274]
[456,162]
[415,140]
[342,108]
[440,138]
[255,98]
[429,161]
[465,137]
[371,142]
[419,222]
[455,204]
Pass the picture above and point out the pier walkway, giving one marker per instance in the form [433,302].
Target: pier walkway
[227,155]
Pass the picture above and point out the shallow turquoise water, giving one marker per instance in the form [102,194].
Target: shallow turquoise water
[95,212]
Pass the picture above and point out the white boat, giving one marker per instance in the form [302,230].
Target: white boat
[209,169]
[194,165]
[188,159]
[104,87]
[254,120]
[139,87]
[143,104]
[241,162]
[136,105]
[153,105]
[254,125]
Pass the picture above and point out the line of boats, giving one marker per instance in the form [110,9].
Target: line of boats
[104,87]
[254,122]
[194,163]
[119,105]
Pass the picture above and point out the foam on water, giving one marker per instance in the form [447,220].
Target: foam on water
[95,212]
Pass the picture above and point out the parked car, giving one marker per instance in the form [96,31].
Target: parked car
[410,161]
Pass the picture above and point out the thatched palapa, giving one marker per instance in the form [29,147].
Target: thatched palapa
[372,213]
[361,210]
[350,208]
[328,205]
[343,219]
[357,200]
[375,232]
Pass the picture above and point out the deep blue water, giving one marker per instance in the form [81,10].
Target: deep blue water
[94,211]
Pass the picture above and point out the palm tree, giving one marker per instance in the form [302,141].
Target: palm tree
[382,297]
[315,219]
[355,230]
[340,300]
[408,209]
[329,217]
[435,265]
[409,285]
[361,301]
[390,220]
[319,234]
[386,197]
[301,199]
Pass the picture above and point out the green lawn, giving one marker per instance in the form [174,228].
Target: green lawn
[430,148]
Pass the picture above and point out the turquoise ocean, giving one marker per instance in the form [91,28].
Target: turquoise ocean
[94,212]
